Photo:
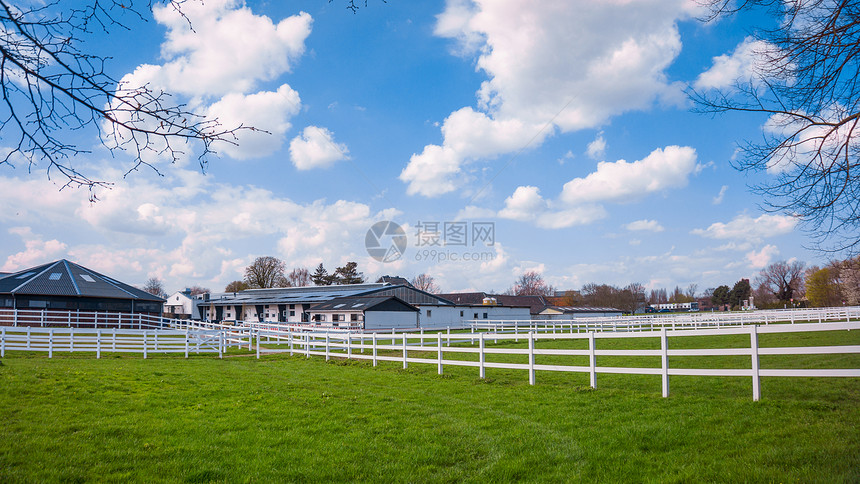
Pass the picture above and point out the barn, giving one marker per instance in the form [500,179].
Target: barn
[64,287]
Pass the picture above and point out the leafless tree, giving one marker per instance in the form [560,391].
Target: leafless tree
[154,286]
[783,279]
[806,82]
[265,272]
[425,282]
[531,283]
[197,290]
[52,89]
[298,277]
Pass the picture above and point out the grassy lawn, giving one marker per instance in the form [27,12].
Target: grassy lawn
[76,419]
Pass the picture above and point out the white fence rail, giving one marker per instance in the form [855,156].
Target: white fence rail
[397,346]
[114,340]
[671,321]
[45,318]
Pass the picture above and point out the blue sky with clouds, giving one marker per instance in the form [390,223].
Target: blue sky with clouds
[563,123]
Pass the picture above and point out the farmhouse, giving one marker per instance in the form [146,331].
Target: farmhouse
[65,286]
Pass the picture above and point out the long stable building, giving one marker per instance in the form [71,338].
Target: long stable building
[65,286]
[333,306]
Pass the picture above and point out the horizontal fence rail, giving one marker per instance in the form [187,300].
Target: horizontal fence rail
[652,322]
[45,318]
[114,340]
[396,347]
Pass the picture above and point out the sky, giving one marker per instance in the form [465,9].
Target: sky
[498,137]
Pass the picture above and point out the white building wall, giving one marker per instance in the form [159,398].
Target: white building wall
[441,317]
[374,320]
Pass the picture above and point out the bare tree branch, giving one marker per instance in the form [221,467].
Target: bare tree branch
[806,82]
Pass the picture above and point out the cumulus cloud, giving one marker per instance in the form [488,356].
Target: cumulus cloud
[218,66]
[580,201]
[268,112]
[230,49]
[316,148]
[760,259]
[36,250]
[744,227]
[614,60]
[597,148]
[645,225]
[741,64]
[669,167]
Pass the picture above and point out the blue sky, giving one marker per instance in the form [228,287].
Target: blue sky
[562,123]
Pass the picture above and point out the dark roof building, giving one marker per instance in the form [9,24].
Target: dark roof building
[536,304]
[65,285]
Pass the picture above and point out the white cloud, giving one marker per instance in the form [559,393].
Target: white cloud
[645,225]
[37,251]
[597,148]
[612,55]
[316,148]
[741,64]
[230,49]
[719,198]
[267,112]
[762,258]
[661,169]
[744,227]
[527,205]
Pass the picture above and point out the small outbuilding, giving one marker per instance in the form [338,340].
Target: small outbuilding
[365,312]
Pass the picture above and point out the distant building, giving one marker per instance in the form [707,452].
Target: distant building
[182,305]
[65,286]
[539,307]
[298,305]
[569,312]
[368,312]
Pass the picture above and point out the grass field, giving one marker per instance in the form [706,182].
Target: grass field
[77,419]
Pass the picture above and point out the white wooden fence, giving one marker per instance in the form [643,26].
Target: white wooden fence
[44,318]
[369,346]
[114,340]
[673,321]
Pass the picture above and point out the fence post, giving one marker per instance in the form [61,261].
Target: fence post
[28,337]
[374,349]
[308,345]
[756,381]
[2,342]
[291,336]
[531,358]
[349,346]
[220,345]
[113,339]
[71,340]
[144,345]
[592,360]
[421,339]
[481,370]
[251,337]
[439,349]
[664,361]
[405,352]
[258,343]
[327,343]
[51,343]
[449,336]
[98,343]
[472,338]
[186,343]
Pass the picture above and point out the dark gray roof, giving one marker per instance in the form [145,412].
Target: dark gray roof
[358,303]
[320,294]
[65,278]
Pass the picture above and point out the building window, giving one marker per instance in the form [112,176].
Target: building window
[428,313]
[353,317]
[461,314]
[292,306]
[476,316]
[292,313]
[485,315]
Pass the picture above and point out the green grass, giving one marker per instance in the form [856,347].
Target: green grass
[238,419]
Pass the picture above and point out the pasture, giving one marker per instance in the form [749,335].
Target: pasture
[75,418]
